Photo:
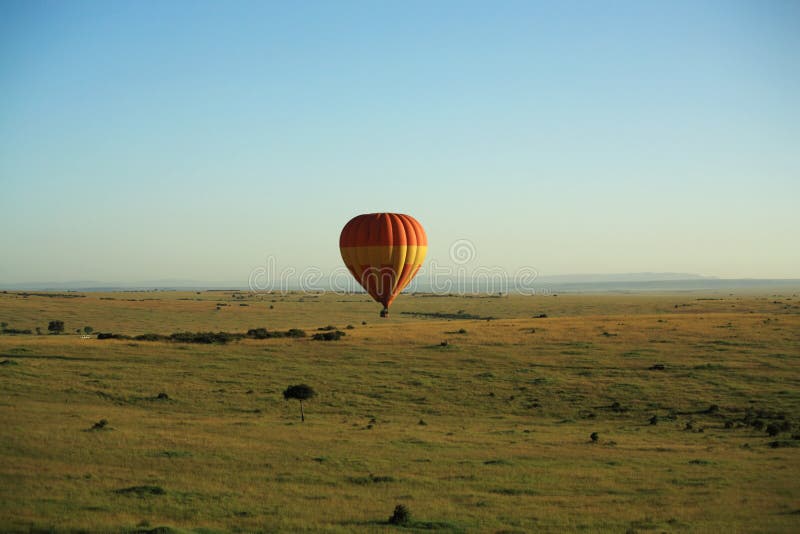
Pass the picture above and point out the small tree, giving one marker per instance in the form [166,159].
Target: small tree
[55,327]
[88,330]
[300,392]
[400,516]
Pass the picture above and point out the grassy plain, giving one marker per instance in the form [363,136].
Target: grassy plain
[490,433]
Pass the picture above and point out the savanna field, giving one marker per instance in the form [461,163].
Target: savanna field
[597,413]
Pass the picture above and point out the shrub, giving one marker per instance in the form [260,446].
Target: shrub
[296,332]
[758,424]
[204,337]
[595,437]
[400,516]
[328,336]
[326,328]
[100,425]
[258,333]
[773,429]
[108,335]
[16,331]
[150,337]
[654,420]
[263,333]
[55,327]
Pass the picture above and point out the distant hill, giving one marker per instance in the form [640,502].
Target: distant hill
[568,283]
[621,277]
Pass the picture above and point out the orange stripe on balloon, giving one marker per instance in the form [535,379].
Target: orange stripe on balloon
[382,229]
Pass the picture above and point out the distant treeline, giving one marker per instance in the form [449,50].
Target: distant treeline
[223,337]
[461,314]
[26,294]
[16,331]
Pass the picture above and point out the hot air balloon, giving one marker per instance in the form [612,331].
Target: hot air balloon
[383,251]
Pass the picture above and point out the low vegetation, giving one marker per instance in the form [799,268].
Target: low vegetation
[209,337]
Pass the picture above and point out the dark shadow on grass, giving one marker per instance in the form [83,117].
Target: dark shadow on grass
[54,357]
[411,525]
[141,490]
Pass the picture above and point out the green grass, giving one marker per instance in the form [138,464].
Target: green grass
[507,415]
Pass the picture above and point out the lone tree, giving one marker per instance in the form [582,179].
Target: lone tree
[300,392]
[55,327]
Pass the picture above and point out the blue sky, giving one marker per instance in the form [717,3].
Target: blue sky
[153,140]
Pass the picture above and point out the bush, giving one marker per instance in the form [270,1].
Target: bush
[100,425]
[773,429]
[108,335]
[258,333]
[150,337]
[55,327]
[295,332]
[16,331]
[595,437]
[204,337]
[263,333]
[400,516]
[328,336]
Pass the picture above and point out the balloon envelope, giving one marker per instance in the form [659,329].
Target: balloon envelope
[383,251]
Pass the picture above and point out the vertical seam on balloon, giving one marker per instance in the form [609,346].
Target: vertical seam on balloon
[400,262]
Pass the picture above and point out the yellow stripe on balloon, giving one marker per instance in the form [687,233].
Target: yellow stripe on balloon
[396,257]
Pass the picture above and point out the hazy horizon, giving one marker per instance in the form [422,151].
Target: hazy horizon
[149,141]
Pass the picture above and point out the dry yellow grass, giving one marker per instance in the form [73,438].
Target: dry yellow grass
[507,408]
